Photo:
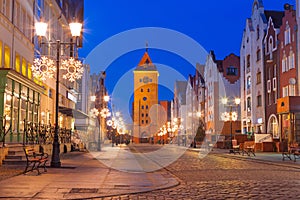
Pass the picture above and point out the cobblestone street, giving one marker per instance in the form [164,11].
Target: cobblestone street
[220,177]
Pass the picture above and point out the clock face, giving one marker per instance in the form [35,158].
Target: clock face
[145,79]
[144,98]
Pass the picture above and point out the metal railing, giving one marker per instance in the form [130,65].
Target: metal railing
[37,133]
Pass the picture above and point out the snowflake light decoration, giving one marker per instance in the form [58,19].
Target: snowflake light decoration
[74,69]
[105,113]
[94,112]
[225,116]
[234,116]
[43,68]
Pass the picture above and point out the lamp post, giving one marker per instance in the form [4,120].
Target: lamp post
[103,113]
[231,116]
[43,68]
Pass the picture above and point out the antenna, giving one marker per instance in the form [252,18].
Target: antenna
[146,46]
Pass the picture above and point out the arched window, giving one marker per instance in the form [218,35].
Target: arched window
[287,34]
[257,32]
[291,60]
[258,55]
[270,46]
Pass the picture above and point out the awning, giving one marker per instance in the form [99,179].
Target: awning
[73,112]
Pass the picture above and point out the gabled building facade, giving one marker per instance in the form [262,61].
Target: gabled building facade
[288,103]
[253,74]
[145,100]
[272,78]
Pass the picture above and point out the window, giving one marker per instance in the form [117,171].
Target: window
[231,71]
[142,114]
[270,46]
[269,86]
[146,114]
[248,82]
[142,107]
[291,90]
[148,90]
[259,101]
[275,71]
[146,106]
[274,84]
[141,80]
[29,71]
[6,57]
[146,121]
[17,64]
[24,67]
[258,78]
[284,63]
[291,60]
[248,61]
[142,121]
[50,93]
[248,104]
[142,90]
[5,8]
[258,55]
[287,34]
[285,91]
[257,32]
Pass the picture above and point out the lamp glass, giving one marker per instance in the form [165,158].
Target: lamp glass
[41,28]
[106,98]
[224,100]
[75,29]
[237,101]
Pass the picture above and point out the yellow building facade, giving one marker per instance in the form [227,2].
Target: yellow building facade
[145,113]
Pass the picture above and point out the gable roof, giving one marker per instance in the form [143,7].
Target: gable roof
[276,17]
[145,59]
[146,64]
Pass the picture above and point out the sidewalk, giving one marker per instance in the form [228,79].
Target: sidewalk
[82,177]
[268,157]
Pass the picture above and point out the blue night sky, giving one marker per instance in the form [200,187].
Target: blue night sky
[215,25]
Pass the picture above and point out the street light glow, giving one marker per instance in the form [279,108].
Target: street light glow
[75,29]
[41,28]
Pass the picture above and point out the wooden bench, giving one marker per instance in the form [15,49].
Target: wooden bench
[235,147]
[248,148]
[34,160]
[292,150]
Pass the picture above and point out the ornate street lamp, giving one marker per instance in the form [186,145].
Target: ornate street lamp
[44,67]
[104,113]
[230,116]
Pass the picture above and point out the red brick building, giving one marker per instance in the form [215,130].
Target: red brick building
[288,103]
[271,67]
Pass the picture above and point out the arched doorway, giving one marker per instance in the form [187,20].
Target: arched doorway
[144,137]
[273,127]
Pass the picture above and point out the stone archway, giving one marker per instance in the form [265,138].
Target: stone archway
[144,137]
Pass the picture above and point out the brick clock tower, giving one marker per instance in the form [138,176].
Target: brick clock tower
[145,100]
